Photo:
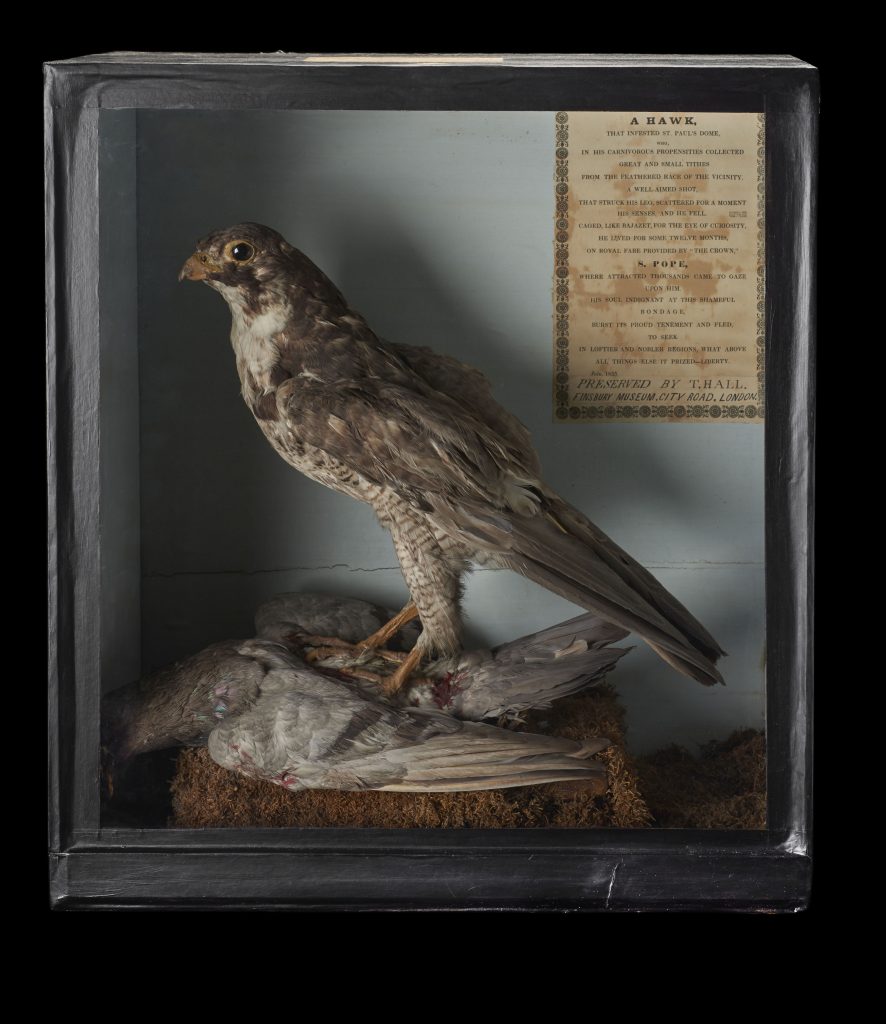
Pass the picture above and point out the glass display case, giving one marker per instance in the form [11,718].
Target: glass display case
[624,248]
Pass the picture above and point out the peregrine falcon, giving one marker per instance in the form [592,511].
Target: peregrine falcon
[418,436]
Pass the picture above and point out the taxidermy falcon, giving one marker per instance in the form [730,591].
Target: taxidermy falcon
[264,712]
[418,436]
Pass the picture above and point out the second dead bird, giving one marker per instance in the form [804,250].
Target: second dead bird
[265,713]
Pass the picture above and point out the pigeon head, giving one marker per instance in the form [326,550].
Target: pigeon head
[181,704]
[245,263]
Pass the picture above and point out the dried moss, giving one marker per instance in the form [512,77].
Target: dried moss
[205,795]
[724,787]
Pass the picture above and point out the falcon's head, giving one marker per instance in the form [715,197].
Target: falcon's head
[246,263]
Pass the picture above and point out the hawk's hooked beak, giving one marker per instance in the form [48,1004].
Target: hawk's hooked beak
[198,267]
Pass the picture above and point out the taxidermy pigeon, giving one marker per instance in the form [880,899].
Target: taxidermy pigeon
[266,713]
[419,437]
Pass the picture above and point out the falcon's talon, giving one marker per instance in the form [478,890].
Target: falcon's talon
[358,673]
[393,626]
[395,682]
[322,653]
[398,657]
[326,641]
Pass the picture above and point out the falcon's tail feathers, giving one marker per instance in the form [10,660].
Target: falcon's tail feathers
[563,551]
[567,580]
[639,578]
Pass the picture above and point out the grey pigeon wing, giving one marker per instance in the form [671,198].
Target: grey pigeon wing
[494,689]
[301,722]
[530,672]
[483,757]
[309,733]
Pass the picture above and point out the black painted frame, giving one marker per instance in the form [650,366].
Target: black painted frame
[339,869]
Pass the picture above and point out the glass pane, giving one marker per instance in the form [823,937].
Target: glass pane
[440,229]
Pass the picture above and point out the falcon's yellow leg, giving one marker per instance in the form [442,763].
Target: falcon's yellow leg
[329,646]
[395,681]
[381,636]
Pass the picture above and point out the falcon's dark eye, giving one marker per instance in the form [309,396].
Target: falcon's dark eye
[242,252]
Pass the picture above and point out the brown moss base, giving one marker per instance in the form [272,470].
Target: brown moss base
[724,788]
[207,796]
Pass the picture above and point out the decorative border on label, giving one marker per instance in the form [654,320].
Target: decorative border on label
[562,408]
[561,267]
[761,264]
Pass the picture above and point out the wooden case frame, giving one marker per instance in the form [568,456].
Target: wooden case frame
[342,869]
